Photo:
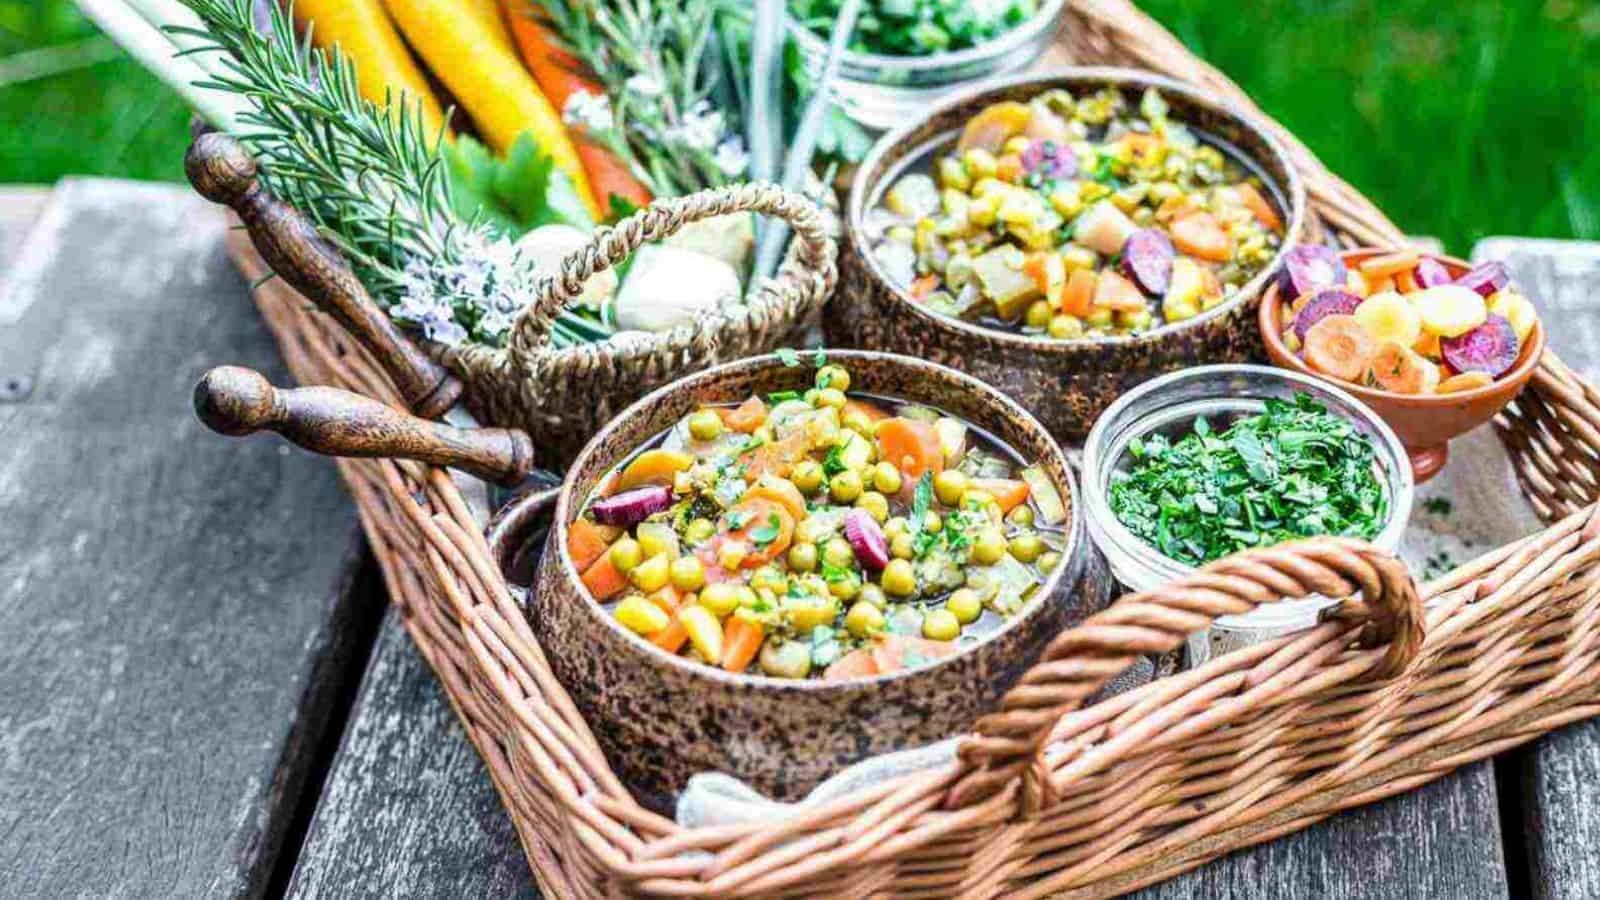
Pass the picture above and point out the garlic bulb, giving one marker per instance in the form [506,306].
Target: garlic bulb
[547,245]
[669,286]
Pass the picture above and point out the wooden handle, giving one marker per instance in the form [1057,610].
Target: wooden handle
[236,401]
[223,172]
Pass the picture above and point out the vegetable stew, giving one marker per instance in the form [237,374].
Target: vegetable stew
[819,534]
[1073,217]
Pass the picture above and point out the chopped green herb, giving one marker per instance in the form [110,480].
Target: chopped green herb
[1439,506]
[788,356]
[820,358]
[782,397]
[767,532]
[1294,471]
[833,463]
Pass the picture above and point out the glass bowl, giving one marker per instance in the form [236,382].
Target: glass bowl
[1170,404]
[881,91]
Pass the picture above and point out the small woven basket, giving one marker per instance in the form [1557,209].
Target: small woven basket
[1397,688]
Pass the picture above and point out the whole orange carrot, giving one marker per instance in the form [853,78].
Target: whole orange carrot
[558,77]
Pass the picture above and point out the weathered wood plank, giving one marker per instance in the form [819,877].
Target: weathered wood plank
[174,608]
[1558,776]
[408,809]
[1441,840]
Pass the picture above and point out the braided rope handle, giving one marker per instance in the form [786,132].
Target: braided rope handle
[662,218]
[1080,661]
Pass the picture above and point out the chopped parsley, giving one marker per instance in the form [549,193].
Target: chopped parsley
[782,397]
[1294,471]
[788,356]
[768,531]
[833,463]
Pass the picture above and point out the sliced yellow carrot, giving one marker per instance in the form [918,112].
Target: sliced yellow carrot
[1389,264]
[365,34]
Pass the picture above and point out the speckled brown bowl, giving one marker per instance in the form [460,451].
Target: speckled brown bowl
[1424,422]
[1066,384]
[661,718]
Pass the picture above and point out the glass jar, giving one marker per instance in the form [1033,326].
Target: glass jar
[1221,394]
[881,91]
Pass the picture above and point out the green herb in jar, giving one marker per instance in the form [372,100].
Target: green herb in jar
[1293,471]
[918,27]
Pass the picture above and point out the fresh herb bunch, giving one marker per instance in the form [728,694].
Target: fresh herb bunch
[1295,470]
[671,95]
[371,179]
[918,27]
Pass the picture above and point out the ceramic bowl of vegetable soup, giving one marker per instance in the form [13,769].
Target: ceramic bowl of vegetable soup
[1200,464]
[784,565]
[1067,236]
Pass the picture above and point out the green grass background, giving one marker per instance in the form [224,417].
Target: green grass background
[1461,119]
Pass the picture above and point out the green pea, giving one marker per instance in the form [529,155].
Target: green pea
[871,593]
[886,477]
[699,531]
[807,476]
[941,625]
[705,425]
[688,573]
[845,588]
[1038,315]
[897,579]
[803,557]
[837,553]
[829,398]
[988,547]
[964,605]
[845,487]
[833,377]
[1027,547]
[875,504]
[1049,561]
[949,485]
[1021,516]
[1065,327]
[902,546]
[863,619]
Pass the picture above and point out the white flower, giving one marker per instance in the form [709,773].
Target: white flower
[643,86]
[495,323]
[701,128]
[731,157]
[587,111]
[446,331]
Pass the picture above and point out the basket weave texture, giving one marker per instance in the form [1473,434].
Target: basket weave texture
[1401,685]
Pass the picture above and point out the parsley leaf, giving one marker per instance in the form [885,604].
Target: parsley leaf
[513,195]
[787,356]
[782,397]
[833,463]
[767,532]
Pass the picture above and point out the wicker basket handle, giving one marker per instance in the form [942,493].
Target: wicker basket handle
[662,218]
[222,171]
[1079,662]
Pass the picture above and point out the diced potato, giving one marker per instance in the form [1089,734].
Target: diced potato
[1184,291]
[952,437]
[1051,510]
[1390,317]
[1104,229]
[1512,306]
[913,196]
[1449,310]
[999,272]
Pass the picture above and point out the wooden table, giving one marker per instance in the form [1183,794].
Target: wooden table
[205,696]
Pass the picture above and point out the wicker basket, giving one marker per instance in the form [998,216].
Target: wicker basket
[1398,688]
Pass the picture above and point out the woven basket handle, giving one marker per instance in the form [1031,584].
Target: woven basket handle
[222,171]
[662,218]
[1079,662]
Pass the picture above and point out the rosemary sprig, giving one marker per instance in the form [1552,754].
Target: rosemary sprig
[371,179]
[662,75]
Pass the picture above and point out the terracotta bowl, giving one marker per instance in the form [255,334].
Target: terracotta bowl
[661,718]
[1065,383]
[1425,422]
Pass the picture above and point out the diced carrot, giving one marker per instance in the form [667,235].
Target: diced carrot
[1260,208]
[608,484]
[872,411]
[1380,285]
[855,664]
[776,458]
[1008,493]
[1175,207]
[757,516]
[1078,298]
[746,417]
[586,540]
[894,652]
[1200,234]
[672,637]
[603,579]
[1406,281]
[1400,369]
[667,599]
[1142,147]
[654,467]
[741,639]
[922,286]
[1389,264]
[912,446]
[1340,347]
[991,128]
[1049,273]
[1009,168]
[780,491]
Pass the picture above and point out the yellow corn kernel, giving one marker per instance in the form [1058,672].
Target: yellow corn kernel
[984,211]
[1017,144]
[1067,200]
[640,616]
[1018,210]
[731,555]
[1076,257]
[953,175]
[705,632]
[980,163]
[987,186]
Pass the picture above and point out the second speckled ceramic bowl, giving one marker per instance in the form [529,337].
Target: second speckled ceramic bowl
[1066,384]
[661,718]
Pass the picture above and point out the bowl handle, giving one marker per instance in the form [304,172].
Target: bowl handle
[1080,661]
[609,246]
[236,401]
[222,171]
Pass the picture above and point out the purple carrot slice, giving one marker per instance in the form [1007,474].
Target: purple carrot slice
[1487,278]
[1147,260]
[1490,348]
[632,507]
[1307,268]
[1327,302]
[866,539]
[1431,273]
